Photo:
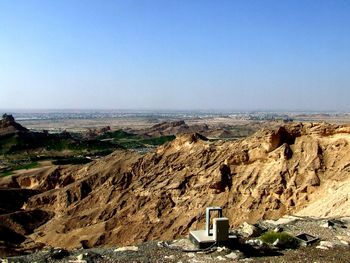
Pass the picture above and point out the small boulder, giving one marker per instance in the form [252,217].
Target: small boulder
[233,255]
[344,240]
[128,248]
[322,247]
[87,257]
[344,243]
[248,230]
[278,229]
[327,224]
[254,242]
[327,244]
[219,249]
[81,258]
[276,242]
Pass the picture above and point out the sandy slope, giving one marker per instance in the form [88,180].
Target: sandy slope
[333,202]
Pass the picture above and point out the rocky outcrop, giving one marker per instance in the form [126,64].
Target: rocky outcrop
[8,125]
[173,128]
[126,198]
[95,132]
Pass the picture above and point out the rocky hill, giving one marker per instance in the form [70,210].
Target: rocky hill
[127,198]
[173,128]
[8,125]
[213,131]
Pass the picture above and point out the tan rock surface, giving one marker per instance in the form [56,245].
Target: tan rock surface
[126,198]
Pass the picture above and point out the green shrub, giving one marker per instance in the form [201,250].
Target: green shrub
[6,173]
[26,166]
[285,240]
[118,134]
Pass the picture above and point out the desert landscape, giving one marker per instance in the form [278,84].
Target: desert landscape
[258,171]
[174,131]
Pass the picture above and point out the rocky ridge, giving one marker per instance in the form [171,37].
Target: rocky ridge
[127,198]
[173,128]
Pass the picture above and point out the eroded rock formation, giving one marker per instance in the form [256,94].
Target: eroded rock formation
[126,198]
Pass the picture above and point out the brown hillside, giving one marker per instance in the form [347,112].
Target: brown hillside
[172,128]
[126,198]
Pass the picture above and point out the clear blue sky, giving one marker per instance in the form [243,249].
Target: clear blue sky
[172,54]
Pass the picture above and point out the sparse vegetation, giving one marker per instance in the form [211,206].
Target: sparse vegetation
[73,160]
[9,171]
[284,239]
[23,149]
[26,166]
[131,141]
[6,173]
[118,134]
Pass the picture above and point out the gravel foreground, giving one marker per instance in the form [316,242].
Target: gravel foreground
[332,246]
[151,252]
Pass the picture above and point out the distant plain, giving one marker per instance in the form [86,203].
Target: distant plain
[83,120]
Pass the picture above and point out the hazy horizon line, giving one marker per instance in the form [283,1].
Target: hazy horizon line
[171,110]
